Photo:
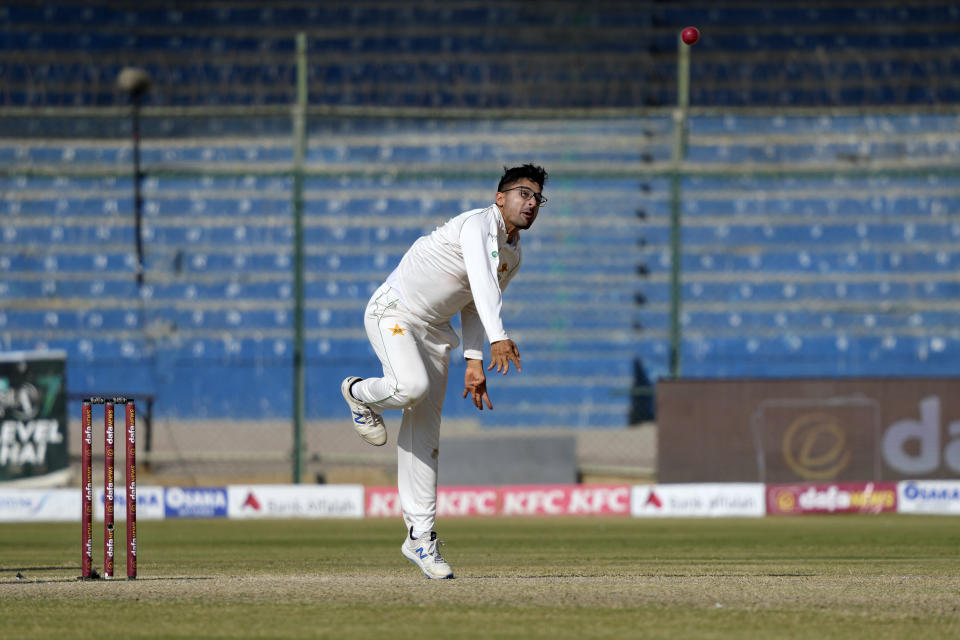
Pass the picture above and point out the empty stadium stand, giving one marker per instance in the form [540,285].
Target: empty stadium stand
[842,267]
[816,242]
[613,53]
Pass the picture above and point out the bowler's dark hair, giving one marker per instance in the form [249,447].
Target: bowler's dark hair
[529,171]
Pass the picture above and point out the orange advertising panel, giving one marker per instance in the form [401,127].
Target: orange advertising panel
[845,497]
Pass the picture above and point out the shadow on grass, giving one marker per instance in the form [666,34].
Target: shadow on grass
[6,582]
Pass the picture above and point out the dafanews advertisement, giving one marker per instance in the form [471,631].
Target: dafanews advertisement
[840,497]
[33,417]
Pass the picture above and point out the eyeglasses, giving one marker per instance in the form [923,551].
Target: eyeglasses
[526,193]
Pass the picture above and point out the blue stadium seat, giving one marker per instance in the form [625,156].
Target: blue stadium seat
[902,45]
[782,276]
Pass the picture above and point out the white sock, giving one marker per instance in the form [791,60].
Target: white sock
[416,534]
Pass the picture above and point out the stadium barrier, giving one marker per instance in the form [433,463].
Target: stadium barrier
[697,500]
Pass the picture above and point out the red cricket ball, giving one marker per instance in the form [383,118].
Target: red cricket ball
[690,35]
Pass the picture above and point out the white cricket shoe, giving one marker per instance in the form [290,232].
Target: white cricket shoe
[367,422]
[424,553]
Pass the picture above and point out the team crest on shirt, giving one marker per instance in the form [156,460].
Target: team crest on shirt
[397,330]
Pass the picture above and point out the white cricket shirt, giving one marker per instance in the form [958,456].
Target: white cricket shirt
[461,267]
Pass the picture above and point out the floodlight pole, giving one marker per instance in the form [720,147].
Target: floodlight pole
[136,82]
[679,155]
[137,197]
[299,364]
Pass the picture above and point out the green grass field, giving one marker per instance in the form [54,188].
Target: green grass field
[808,577]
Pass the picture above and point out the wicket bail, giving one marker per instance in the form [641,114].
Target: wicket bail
[86,462]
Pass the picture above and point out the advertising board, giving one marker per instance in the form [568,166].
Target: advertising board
[808,430]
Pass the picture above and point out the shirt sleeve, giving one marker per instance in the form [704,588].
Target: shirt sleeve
[472,333]
[479,246]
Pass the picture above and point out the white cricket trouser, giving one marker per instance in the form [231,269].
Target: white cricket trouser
[416,359]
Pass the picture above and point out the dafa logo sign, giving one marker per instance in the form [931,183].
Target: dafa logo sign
[33,415]
[815,447]
[818,441]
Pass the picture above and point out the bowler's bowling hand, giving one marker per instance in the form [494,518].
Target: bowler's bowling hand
[502,353]
[475,384]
